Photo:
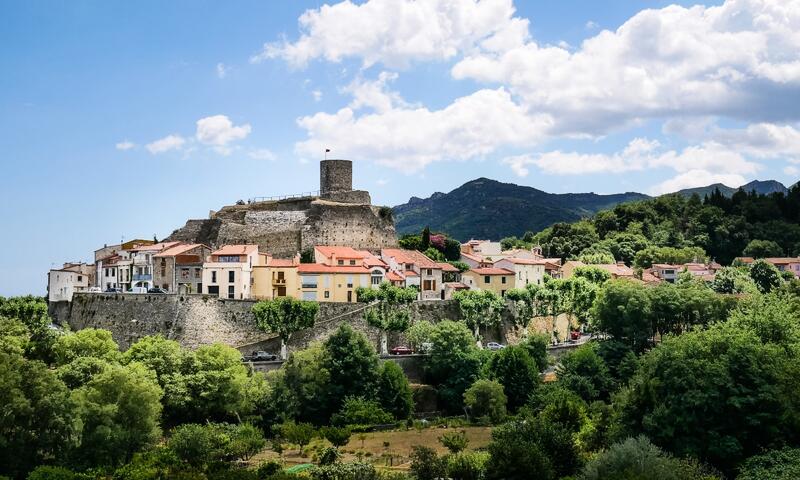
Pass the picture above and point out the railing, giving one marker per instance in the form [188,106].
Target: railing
[315,193]
[279,281]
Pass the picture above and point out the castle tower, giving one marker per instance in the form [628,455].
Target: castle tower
[335,176]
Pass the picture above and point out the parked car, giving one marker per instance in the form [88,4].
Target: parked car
[95,290]
[112,290]
[138,290]
[260,356]
[575,335]
[156,290]
[401,350]
[495,346]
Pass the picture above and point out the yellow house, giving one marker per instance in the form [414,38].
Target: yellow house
[331,283]
[276,278]
[497,280]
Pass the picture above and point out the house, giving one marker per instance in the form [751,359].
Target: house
[227,272]
[484,248]
[666,272]
[72,277]
[783,264]
[450,273]
[276,278]
[417,270]
[118,273]
[526,270]
[331,283]
[141,266]
[108,271]
[179,269]
[497,280]
[452,287]
[617,270]
[347,256]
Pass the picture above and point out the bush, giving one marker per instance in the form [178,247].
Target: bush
[515,370]
[426,464]
[299,434]
[783,464]
[345,471]
[637,458]
[454,441]
[467,465]
[268,468]
[585,373]
[394,392]
[338,436]
[536,345]
[358,411]
[485,399]
[47,472]
[330,455]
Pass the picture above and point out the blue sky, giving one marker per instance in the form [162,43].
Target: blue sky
[124,119]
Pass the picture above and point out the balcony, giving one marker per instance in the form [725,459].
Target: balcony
[143,277]
[279,280]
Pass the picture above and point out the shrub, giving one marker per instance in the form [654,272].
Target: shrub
[270,467]
[485,398]
[426,464]
[515,370]
[783,464]
[454,441]
[394,392]
[48,472]
[467,465]
[345,471]
[358,411]
[338,436]
[299,434]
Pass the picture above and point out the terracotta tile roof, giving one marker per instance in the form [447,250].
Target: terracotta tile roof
[663,266]
[745,259]
[782,260]
[554,261]
[321,268]
[373,261]
[615,269]
[409,256]
[523,261]
[473,257]
[446,267]
[649,277]
[410,273]
[394,277]
[177,250]
[341,252]
[281,262]
[456,285]
[236,250]
[492,271]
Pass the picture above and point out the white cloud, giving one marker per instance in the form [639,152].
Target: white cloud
[591,25]
[382,181]
[374,94]
[170,142]
[408,138]
[317,94]
[262,154]
[397,32]
[735,60]
[222,70]
[125,145]
[218,131]
[791,170]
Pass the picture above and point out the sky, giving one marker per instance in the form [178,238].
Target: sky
[121,120]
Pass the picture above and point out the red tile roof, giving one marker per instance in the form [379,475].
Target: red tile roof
[341,252]
[446,267]
[155,247]
[523,261]
[409,256]
[410,273]
[492,271]
[394,277]
[177,250]
[373,261]
[236,250]
[321,268]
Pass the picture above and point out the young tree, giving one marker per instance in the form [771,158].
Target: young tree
[522,299]
[515,370]
[299,434]
[762,249]
[394,392]
[338,436]
[387,309]
[454,441]
[352,364]
[480,308]
[585,373]
[622,310]
[88,342]
[419,333]
[485,399]
[284,316]
[765,275]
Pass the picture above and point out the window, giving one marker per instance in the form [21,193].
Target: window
[80,278]
[349,281]
[229,258]
[428,271]
[503,279]
[487,279]
[340,262]
[231,276]
[502,293]
[352,262]
[184,273]
[197,272]
[309,295]
[308,281]
[327,294]
[428,285]
[113,272]
[231,292]
[377,278]
[213,276]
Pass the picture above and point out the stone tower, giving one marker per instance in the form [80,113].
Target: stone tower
[335,176]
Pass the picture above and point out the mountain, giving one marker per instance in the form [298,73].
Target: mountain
[485,208]
[761,187]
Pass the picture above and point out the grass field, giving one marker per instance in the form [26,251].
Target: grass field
[390,449]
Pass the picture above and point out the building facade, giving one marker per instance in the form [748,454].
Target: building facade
[227,273]
[497,280]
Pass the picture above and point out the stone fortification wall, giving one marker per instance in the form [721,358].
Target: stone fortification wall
[195,320]
[335,176]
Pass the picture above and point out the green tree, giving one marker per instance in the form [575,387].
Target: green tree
[299,390]
[765,275]
[434,254]
[596,257]
[733,280]
[425,242]
[120,411]
[522,300]
[352,365]
[531,448]
[394,392]
[285,316]
[453,364]
[622,310]
[780,464]
[515,370]
[359,411]
[762,249]
[585,373]
[338,436]
[467,465]
[536,345]
[419,333]
[88,342]
[80,371]
[38,422]
[486,399]
[164,357]
[426,464]
[387,309]
[637,458]
[299,434]
[479,308]
[596,275]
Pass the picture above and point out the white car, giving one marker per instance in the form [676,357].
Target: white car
[138,290]
[95,290]
[494,346]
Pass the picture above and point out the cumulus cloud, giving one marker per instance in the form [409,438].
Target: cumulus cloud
[375,94]
[125,145]
[218,132]
[170,142]
[408,138]
[740,59]
[397,32]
